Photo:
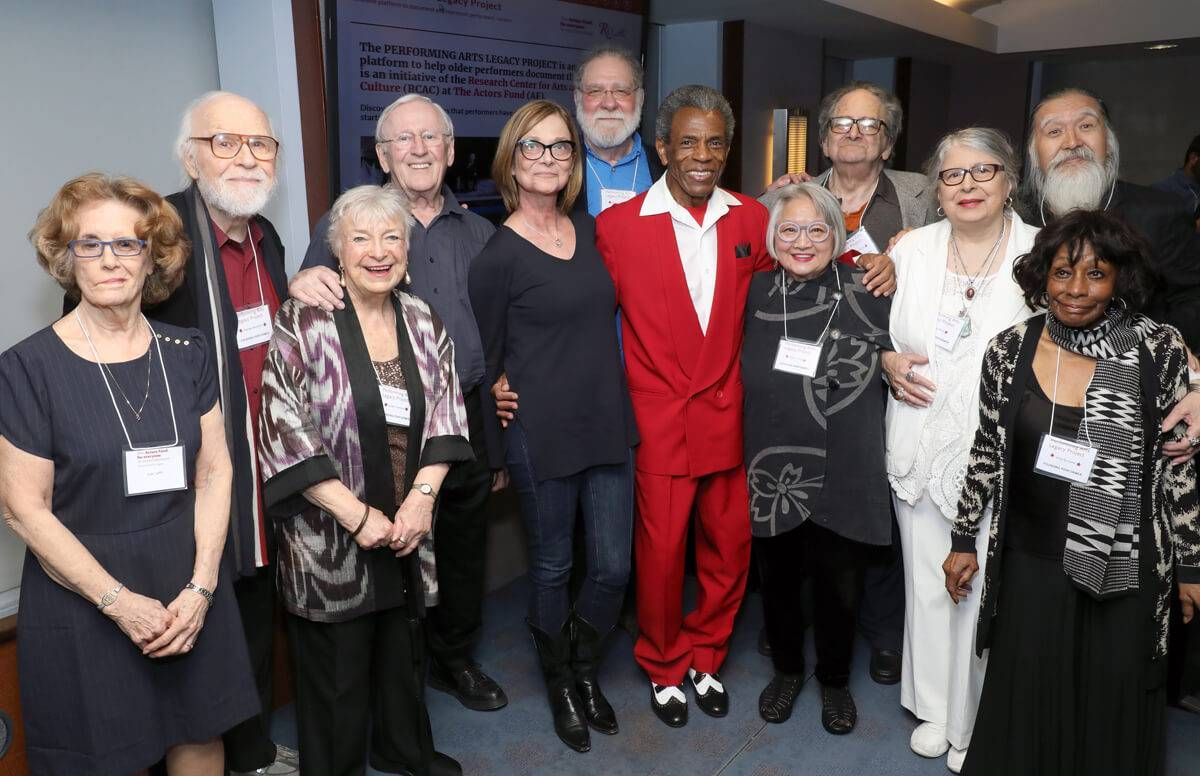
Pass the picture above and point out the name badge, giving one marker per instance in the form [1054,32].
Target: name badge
[947,330]
[797,357]
[861,241]
[396,408]
[610,197]
[254,326]
[1065,459]
[154,470]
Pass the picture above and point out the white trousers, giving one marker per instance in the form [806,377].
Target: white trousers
[941,678]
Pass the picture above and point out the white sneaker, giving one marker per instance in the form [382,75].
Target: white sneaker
[955,759]
[929,740]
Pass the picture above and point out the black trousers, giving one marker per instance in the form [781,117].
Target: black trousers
[881,612]
[460,544]
[834,566]
[248,745]
[354,676]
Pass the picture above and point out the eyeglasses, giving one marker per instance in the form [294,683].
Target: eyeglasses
[789,231]
[405,139]
[980,173]
[866,125]
[534,149]
[226,145]
[124,247]
[596,92]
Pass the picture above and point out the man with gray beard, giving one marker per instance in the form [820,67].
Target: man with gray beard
[1074,160]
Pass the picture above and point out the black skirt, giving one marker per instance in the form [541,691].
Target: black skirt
[1070,689]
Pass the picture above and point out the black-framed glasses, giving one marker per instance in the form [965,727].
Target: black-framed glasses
[598,92]
[868,125]
[89,248]
[789,231]
[533,150]
[226,145]
[980,173]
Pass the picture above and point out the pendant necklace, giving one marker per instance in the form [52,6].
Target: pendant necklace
[982,277]
[556,240]
[107,371]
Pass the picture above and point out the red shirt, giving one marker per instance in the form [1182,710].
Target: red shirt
[244,266]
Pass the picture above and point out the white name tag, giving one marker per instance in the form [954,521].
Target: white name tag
[254,326]
[1065,459]
[797,358]
[610,197]
[861,241]
[395,405]
[947,330]
[154,470]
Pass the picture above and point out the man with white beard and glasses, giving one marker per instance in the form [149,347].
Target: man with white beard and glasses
[1073,164]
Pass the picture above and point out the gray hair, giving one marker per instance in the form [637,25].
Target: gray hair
[824,202]
[448,125]
[893,112]
[183,143]
[370,203]
[608,50]
[1035,179]
[702,98]
[990,141]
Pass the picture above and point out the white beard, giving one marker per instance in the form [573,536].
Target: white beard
[606,136]
[240,204]
[1081,187]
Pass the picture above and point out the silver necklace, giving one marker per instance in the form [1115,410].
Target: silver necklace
[557,240]
[968,292]
[137,412]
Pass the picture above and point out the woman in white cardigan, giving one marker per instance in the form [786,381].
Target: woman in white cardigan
[955,291]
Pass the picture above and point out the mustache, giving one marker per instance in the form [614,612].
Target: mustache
[1071,154]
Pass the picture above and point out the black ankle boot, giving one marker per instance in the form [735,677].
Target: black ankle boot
[554,652]
[585,663]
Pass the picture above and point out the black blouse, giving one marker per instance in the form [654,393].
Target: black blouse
[550,325]
[799,429]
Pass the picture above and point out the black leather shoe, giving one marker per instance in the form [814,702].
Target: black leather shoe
[777,698]
[670,707]
[885,665]
[710,693]
[554,654]
[586,645]
[440,765]
[764,643]
[838,712]
[473,688]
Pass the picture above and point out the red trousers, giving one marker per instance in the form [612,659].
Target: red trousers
[669,643]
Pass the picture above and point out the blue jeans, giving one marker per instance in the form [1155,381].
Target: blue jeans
[604,495]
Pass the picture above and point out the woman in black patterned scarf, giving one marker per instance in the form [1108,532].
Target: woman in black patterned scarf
[1092,529]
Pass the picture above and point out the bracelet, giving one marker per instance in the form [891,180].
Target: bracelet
[361,523]
[207,594]
[109,598]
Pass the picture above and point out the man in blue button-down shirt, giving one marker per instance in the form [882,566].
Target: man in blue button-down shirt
[414,140]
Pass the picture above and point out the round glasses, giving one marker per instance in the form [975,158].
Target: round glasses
[867,125]
[789,231]
[226,145]
[980,173]
[533,149]
[89,248]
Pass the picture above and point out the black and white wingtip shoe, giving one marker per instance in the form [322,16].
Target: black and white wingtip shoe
[669,704]
[710,693]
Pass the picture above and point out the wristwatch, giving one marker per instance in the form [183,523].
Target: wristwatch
[425,488]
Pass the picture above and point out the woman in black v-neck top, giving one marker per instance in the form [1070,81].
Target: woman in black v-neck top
[546,310]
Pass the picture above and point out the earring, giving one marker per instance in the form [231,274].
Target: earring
[941,212]
[407,279]
[1008,203]
[342,275]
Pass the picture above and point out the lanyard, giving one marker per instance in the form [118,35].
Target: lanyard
[837,301]
[112,396]
[637,161]
[1054,398]
[862,220]
[262,299]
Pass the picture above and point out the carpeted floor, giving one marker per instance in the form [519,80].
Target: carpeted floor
[519,739]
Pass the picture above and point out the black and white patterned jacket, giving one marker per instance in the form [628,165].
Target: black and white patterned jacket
[1171,532]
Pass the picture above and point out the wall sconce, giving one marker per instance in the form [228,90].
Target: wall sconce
[790,141]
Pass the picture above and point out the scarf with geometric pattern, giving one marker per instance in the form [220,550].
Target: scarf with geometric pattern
[1104,515]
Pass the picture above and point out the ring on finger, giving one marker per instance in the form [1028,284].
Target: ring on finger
[901,393]
[910,375]
[1193,441]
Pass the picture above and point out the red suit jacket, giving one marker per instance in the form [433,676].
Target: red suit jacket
[686,385]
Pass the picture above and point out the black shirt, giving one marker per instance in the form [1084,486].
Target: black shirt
[548,324]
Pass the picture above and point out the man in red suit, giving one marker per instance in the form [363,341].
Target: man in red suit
[681,256]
